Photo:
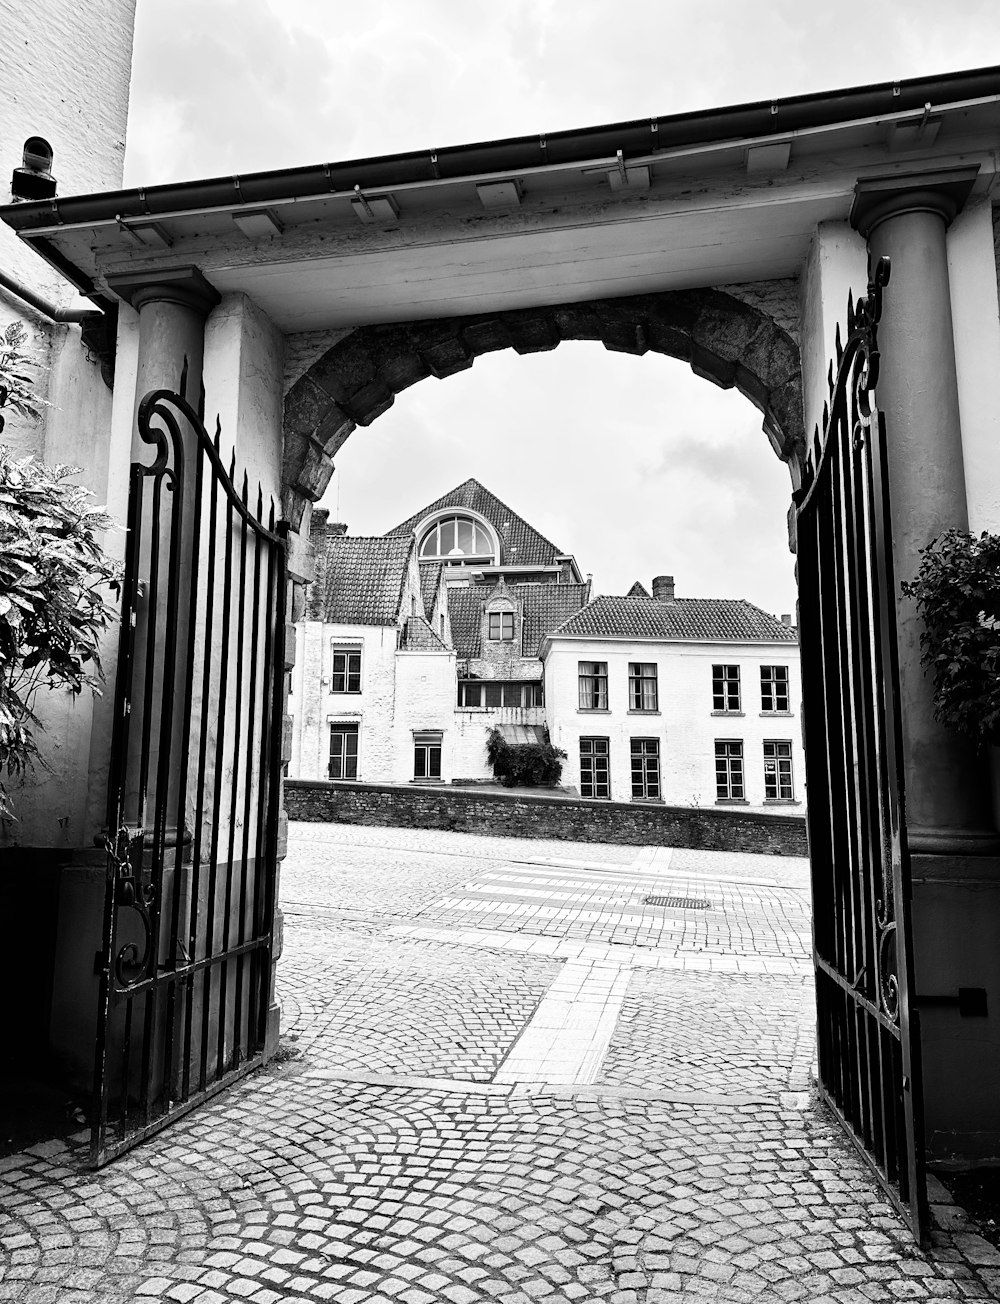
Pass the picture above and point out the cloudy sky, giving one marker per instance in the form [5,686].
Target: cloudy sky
[634,465]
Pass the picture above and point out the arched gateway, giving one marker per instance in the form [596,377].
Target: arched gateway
[303,301]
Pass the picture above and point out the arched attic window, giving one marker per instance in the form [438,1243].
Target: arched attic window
[458,539]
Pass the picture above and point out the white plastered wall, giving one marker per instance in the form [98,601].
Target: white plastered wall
[685,724]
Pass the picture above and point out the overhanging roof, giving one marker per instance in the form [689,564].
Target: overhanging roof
[715,197]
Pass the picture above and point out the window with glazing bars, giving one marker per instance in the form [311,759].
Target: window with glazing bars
[595,779]
[343,751]
[778,771]
[593,685]
[646,768]
[774,688]
[725,688]
[427,755]
[346,677]
[729,771]
[489,693]
[642,694]
[501,626]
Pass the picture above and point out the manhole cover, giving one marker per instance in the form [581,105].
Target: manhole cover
[677,903]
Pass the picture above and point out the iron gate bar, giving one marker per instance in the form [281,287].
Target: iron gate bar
[868,1036]
[160,1007]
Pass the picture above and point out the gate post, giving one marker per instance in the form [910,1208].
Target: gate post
[948,802]
[953,842]
[172,306]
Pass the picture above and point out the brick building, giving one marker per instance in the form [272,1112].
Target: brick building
[464,618]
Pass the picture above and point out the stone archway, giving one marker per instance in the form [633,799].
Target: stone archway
[728,341]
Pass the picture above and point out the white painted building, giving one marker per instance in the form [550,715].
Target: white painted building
[416,646]
[686,701]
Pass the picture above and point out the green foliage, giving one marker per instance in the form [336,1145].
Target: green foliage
[526,764]
[16,383]
[52,612]
[957,592]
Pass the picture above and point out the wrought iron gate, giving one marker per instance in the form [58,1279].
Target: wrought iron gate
[867,1031]
[193,789]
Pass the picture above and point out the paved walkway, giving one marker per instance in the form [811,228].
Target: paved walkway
[515,1071]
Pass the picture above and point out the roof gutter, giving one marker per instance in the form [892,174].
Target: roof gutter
[634,139]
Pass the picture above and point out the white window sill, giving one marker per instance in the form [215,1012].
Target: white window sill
[781,801]
[771,714]
[593,710]
[731,801]
[642,710]
[740,713]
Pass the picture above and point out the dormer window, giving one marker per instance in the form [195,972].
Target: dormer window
[500,626]
[457,539]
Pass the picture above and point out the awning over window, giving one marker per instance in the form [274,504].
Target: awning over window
[522,733]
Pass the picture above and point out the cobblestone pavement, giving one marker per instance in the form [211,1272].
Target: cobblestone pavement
[567,1095]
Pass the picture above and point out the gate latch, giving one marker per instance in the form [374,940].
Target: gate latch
[971,1002]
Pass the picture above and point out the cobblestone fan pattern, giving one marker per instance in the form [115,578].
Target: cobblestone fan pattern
[510,1113]
[365,1004]
[285,1190]
[740,917]
[755,1034]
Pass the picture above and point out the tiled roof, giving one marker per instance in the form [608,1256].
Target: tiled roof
[730,620]
[544,607]
[637,591]
[430,575]
[361,580]
[419,637]
[520,544]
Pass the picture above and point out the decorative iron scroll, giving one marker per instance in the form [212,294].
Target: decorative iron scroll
[194,783]
[868,1050]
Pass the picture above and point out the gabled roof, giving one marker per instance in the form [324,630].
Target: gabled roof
[637,591]
[520,544]
[419,637]
[361,580]
[544,607]
[724,620]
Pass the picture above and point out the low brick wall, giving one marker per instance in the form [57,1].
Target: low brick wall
[523,814]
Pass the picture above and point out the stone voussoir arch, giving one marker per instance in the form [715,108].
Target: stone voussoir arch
[727,341]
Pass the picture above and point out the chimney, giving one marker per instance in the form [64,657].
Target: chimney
[663,588]
[318,520]
[786,620]
[336,530]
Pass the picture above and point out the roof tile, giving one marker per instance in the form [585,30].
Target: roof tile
[520,544]
[544,607]
[724,620]
[363,580]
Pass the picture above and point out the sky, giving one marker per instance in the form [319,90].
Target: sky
[634,465]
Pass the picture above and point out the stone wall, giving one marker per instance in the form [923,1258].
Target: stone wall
[530,815]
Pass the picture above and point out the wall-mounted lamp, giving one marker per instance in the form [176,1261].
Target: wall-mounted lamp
[34,179]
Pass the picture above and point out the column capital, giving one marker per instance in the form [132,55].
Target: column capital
[181,285]
[941,190]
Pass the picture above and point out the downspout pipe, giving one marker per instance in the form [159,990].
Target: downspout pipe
[13,286]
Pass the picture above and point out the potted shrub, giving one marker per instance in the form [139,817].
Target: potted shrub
[957,594]
[528,764]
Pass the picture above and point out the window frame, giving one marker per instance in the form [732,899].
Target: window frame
[639,686]
[772,685]
[344,729]
[597,679]
[781,776]
[644,759]
[504,621]
[347,651]
[728,751]
[724,678]
[592,769]
[427,742]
